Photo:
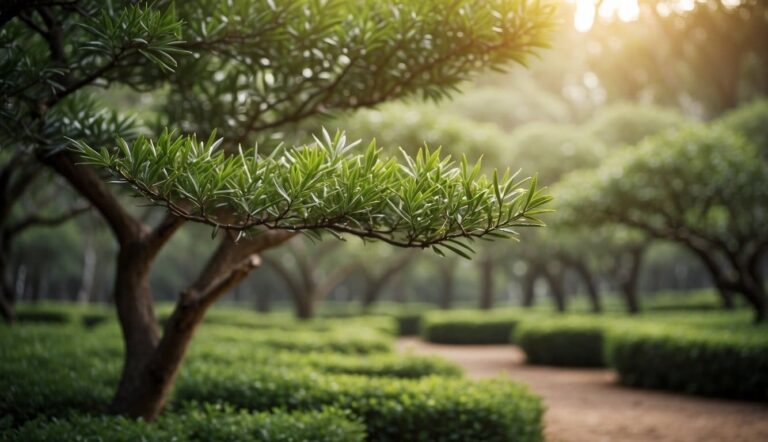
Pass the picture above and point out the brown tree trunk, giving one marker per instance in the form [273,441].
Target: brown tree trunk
[305,306]
[592,291]
[555,280]
[630,278]
[486,284]
[141,332]
[528,285]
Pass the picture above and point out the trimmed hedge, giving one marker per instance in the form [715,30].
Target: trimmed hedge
[209,423]
[376,364]
[714,363]
[431,409]
[351,339]
[468,327]
[566,342]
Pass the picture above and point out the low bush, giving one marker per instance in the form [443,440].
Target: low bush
[431,409]
[708,362]
[408,324]
[375,364]
[568,342]
[468,327]
[207,423]
[350,339]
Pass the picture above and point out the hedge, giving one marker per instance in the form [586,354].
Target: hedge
[430,409]
[468,327]
[690,360]
[350,339]
[208,423]
[567,342]
[376,364]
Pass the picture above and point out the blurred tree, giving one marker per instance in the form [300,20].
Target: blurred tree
[307,279]
[710,52]
[702,187]
[246,68]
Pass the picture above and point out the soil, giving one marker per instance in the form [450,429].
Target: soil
[587,405]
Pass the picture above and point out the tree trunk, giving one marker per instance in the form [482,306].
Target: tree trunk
[629,281]
[589,284]
[141,332]
[528,285]
[486,284]
[305,306]
[555,281]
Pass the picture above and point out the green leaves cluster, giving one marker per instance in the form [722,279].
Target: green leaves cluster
[701,184]
[428,201]
[261,65]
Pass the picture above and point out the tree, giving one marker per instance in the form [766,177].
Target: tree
[245,69]
[301,273]
[704,188]
[708,53]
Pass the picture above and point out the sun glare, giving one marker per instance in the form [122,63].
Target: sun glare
[625,10]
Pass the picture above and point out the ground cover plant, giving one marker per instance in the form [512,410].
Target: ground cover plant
[60,378]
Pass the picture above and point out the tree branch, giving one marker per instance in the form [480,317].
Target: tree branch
[41,220]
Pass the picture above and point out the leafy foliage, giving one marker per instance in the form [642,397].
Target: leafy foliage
[468,327]
[425,202]
[569,342]
[209,422]
[699,361]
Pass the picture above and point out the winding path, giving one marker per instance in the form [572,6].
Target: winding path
[586,405]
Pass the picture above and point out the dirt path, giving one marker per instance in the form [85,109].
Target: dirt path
[588,406]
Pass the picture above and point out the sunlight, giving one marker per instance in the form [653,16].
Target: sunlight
[625,10]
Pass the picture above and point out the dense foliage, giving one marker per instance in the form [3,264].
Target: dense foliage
[63,372]
[570,342]
[692,360]
[207,423]
[467,327]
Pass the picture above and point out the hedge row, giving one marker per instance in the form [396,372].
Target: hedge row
[430,409]
[715,363]
[468,327]
[376,364]
[63,372]
[207,423]
[569,342]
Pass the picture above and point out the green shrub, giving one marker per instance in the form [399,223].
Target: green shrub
[375,364]
[351,339]
[408,324]
[431,409]
[711,362]
[468,327]
[208,423]
[568,342]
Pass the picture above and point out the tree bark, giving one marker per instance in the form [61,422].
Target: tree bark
[590,285]
[555,280]
[629,276]
[486,284]
[528,285]
[155,378]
